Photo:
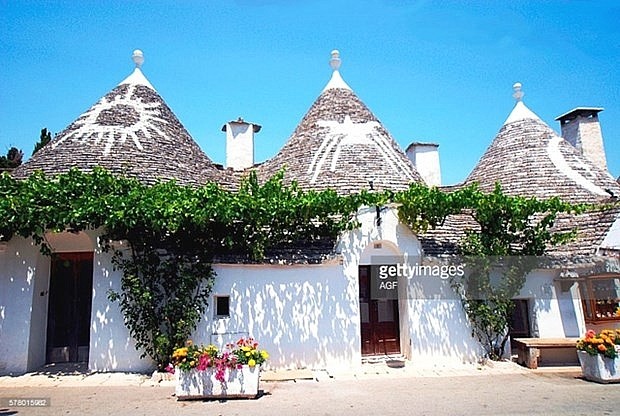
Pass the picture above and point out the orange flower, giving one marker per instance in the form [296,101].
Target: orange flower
[602,348]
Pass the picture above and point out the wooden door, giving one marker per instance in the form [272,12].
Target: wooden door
[70,299]
[380,330]
[519,320]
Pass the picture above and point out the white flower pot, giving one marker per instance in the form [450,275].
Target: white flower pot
[196,384]
[599,368]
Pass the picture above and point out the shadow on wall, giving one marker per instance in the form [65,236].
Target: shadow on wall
[18,264]
[439,326]
[111,346]
[304,316]
[554,312]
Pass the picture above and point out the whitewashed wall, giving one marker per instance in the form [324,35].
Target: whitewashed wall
[111,346]
[434,328]
[18,272]
[305,316]
[440,330]
[554,313]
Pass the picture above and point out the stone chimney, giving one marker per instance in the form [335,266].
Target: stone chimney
[581,128]
[425,158]
[240,143]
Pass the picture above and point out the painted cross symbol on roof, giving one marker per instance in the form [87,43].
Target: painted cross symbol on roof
[346,134]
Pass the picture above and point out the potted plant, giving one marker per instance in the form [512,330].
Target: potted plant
[206,372]
[598,356]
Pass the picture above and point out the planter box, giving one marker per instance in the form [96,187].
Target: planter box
[598,368]
[196,384]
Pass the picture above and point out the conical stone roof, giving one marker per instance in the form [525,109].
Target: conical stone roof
[129,131]
[340,144]
[528,158]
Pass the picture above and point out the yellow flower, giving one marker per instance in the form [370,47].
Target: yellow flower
[264,354]
[252,362]
[180,352]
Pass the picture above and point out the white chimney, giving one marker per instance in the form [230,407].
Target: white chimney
[581,128]
[240,143]
[425,158]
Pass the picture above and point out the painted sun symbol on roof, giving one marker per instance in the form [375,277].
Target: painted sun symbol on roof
[114,120]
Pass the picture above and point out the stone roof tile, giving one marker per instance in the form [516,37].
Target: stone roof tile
[340,144]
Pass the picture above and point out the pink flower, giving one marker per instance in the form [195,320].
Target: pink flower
[204,362]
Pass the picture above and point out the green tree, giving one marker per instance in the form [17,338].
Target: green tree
[12,159]
[44,139]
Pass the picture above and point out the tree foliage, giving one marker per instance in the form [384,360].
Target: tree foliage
[12,159]
[44,139]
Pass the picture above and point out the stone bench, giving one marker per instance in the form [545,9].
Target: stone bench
[528,349]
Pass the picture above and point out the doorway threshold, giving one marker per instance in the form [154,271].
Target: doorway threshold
[388,359]
[64,369]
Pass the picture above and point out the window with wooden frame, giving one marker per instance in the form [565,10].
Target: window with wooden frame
[601,297]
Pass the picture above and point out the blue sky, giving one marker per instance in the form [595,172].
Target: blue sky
[439,71]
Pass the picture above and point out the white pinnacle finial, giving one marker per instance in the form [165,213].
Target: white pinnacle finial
[520,111]
[518,94]
[335,61]
[138,58]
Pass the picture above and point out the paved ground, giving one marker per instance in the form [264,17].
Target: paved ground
[374,389]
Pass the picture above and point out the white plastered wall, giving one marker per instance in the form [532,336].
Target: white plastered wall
[111,346]
[303,315]
[21,265]
[555,312]
[434,329]
[306,315]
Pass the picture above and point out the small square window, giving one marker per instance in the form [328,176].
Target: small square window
[222,306]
